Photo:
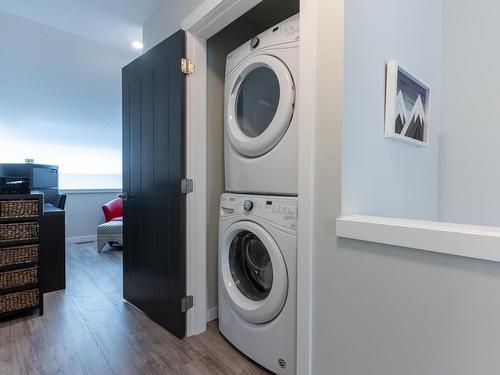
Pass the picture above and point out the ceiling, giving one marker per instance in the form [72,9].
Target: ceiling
[114,22]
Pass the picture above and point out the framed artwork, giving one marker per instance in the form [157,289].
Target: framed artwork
[407,105]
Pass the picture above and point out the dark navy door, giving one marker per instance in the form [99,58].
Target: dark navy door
[154,269]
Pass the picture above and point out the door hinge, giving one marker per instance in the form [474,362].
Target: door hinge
[186,186]
[187,66]
[187,303]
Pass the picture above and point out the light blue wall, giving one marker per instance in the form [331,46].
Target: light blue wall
[379,176]
[470,137]
[377,309]
[57,88]
[84,213]
[166,20]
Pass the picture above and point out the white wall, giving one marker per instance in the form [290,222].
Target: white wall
[84,214]
[470,135]
[166,20]
[380,176]
[378,309]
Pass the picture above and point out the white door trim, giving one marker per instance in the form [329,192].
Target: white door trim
[307,124]
[212,16]
[196,202]
[205,21]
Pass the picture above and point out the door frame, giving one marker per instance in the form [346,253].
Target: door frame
[205,21]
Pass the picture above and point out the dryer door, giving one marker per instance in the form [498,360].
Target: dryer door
[260,105]
[253,272]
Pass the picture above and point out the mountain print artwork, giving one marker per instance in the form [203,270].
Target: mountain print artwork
[407,103]
[410,123]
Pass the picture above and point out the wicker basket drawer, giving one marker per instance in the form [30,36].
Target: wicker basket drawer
[10,256]
[18,278]
[19,301]
[18,231]
[15,209]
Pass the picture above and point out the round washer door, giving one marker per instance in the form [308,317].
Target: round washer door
[253,272]
[260,105]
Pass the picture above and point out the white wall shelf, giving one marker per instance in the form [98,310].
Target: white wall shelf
[472,241]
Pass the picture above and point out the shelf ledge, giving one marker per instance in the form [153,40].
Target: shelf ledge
[472,241]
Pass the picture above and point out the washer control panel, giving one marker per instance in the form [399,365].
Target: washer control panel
[248,205]
[277,210]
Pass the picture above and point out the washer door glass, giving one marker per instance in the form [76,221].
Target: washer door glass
[260,104]
[251,266]
[253,272]
[257,101]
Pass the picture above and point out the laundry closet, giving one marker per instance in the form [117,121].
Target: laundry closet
[252,152]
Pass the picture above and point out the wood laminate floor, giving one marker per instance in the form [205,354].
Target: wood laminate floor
[90,329]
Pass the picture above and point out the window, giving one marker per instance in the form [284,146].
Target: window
[80,166]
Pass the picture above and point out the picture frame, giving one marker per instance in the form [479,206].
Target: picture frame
[407,106]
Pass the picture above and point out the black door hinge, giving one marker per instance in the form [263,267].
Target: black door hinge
[186,186]
[187,303]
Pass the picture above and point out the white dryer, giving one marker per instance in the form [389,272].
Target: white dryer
[257,278]
[261,122]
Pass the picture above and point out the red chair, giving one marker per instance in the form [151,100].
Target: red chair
[113,210]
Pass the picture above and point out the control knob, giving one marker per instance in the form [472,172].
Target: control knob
[254,42]
[248,205]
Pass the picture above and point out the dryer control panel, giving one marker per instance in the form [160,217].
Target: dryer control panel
[277,210]
[284,34]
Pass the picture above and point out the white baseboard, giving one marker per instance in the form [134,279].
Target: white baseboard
[81,239]
[212,314]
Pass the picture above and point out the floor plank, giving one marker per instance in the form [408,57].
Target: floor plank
[90,329]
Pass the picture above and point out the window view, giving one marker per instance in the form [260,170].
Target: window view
[80,166]
[60,103]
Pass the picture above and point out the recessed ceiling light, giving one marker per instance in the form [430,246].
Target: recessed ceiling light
[137,45]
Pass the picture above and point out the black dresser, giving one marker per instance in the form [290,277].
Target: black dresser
[20,255]
[53,245]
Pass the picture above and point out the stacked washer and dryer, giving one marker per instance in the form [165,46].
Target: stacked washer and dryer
[258,215]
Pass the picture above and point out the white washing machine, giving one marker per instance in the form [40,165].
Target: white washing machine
[257,278]
[261,122]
